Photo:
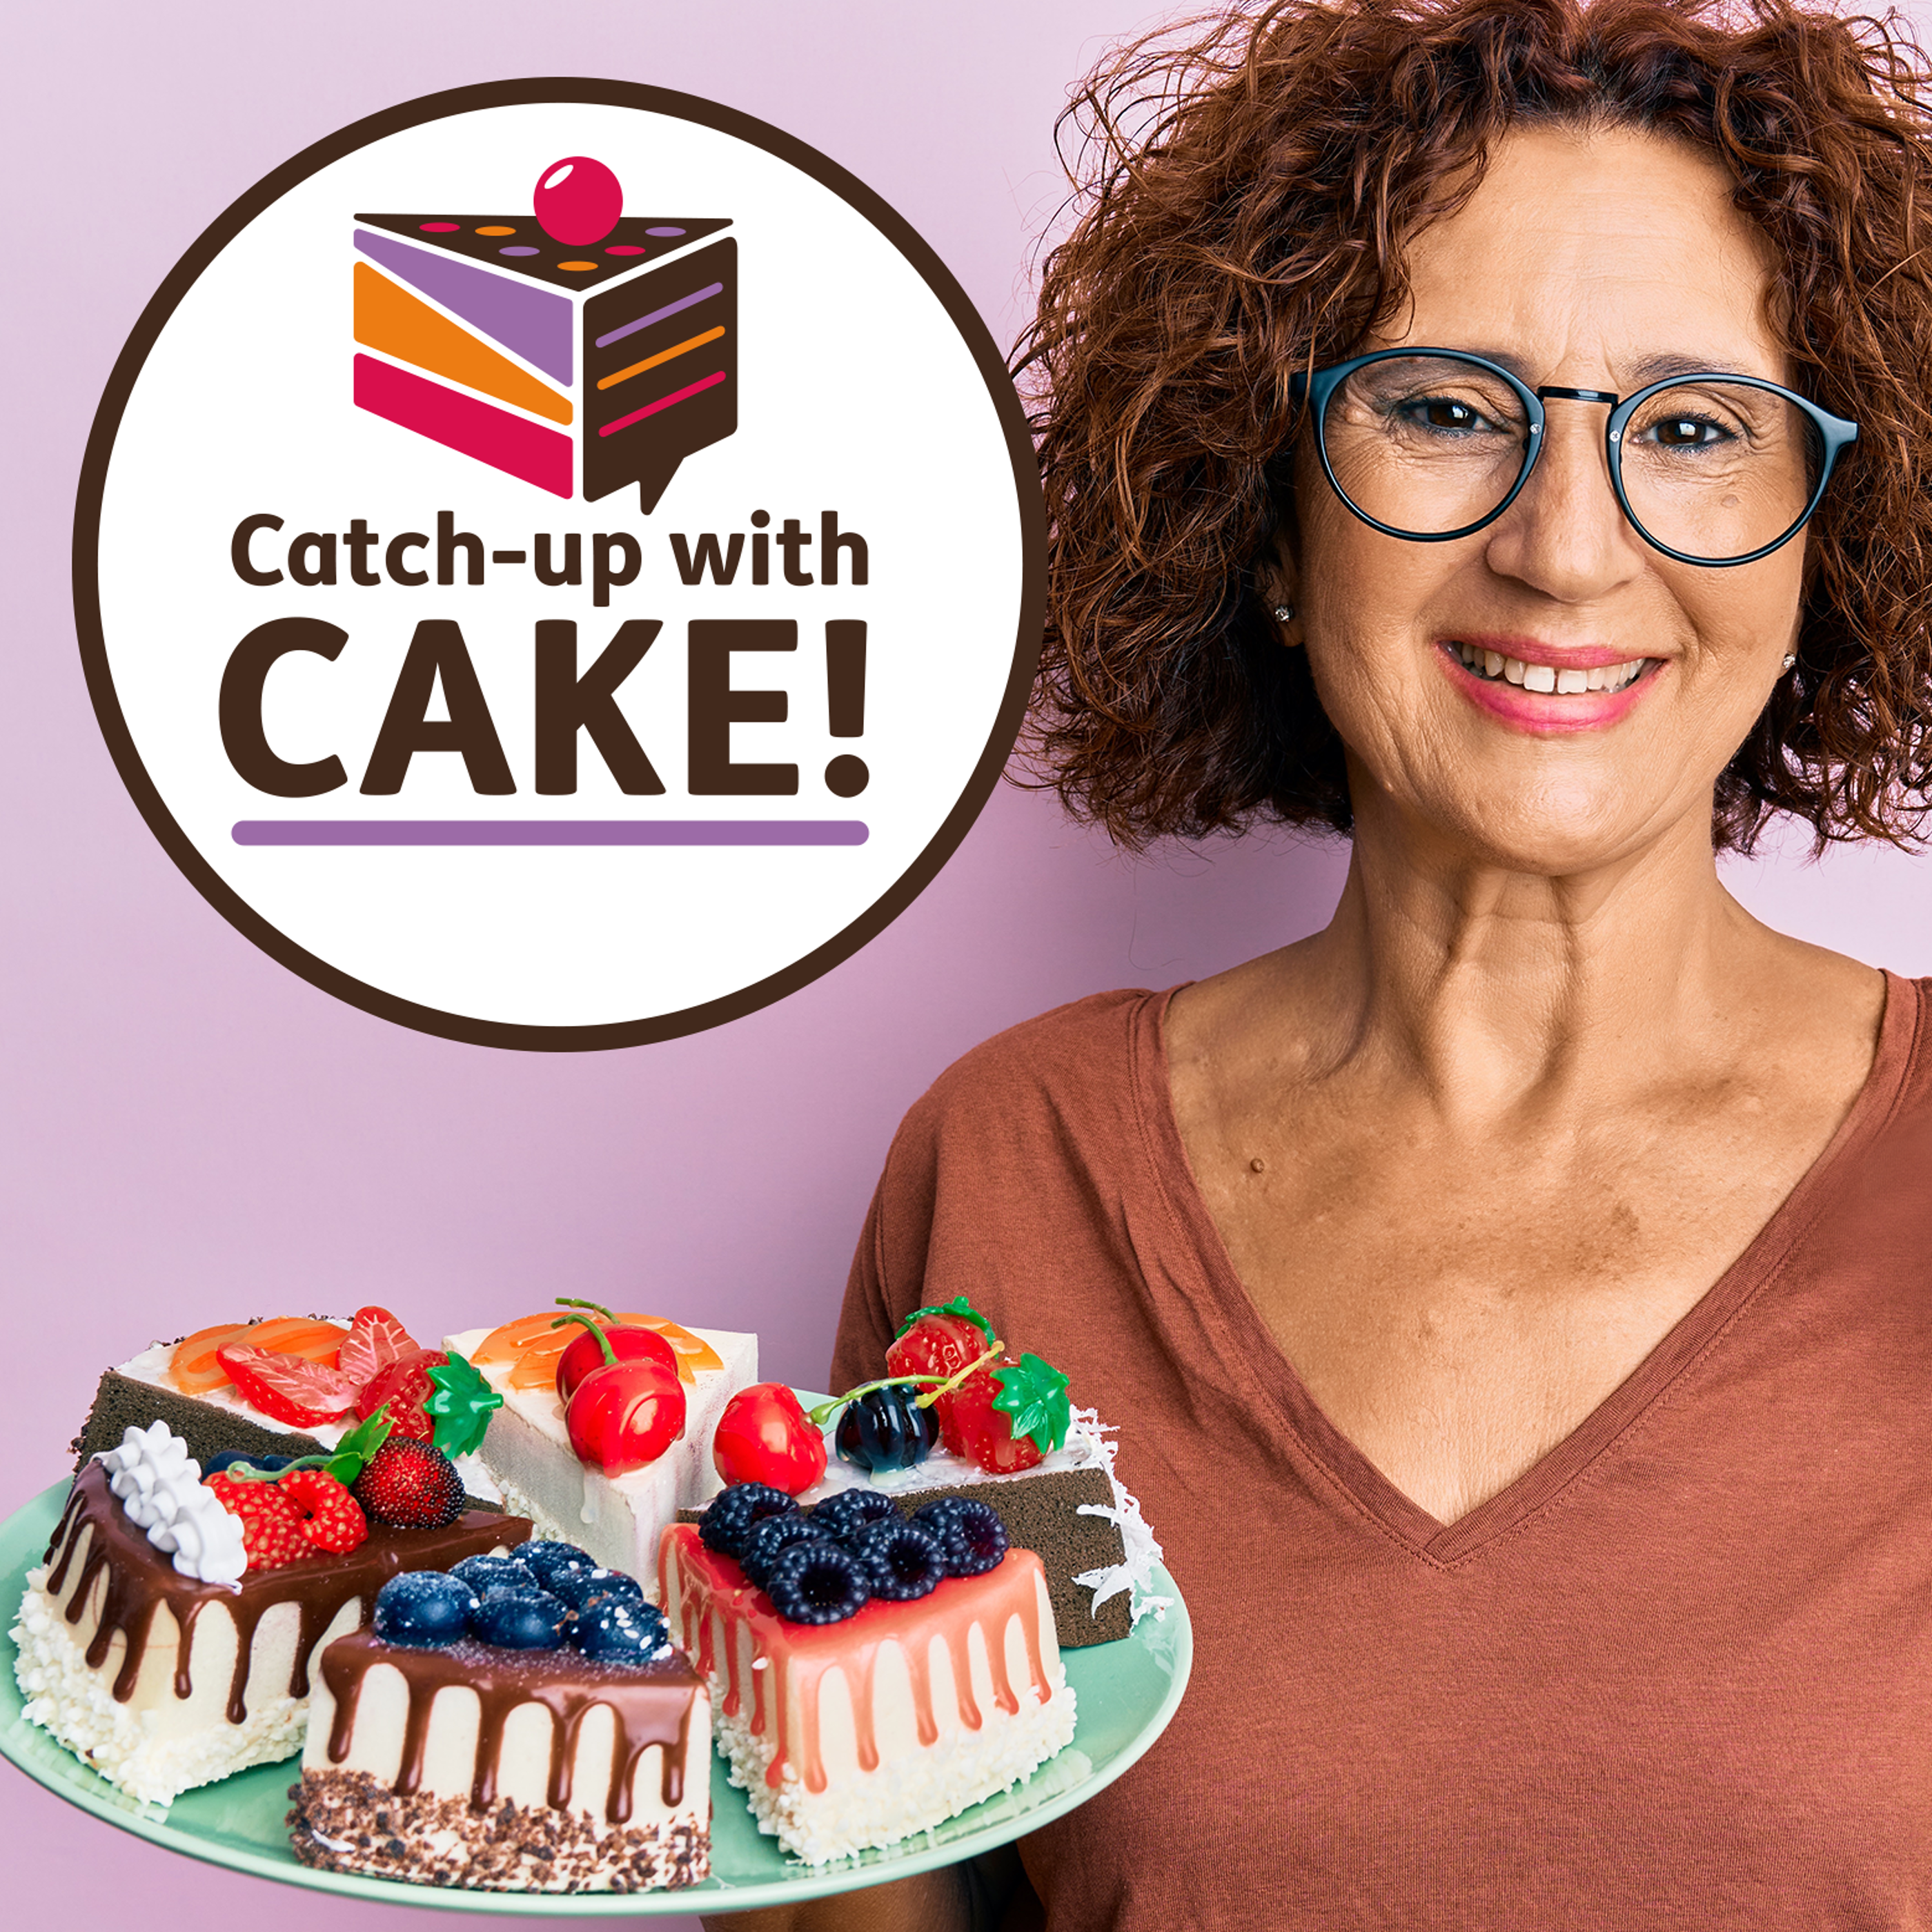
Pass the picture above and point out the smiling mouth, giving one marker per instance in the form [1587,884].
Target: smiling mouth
[1492,667]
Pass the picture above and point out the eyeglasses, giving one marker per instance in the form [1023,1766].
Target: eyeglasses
[1433,444]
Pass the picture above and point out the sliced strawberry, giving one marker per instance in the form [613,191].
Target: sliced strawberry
[332,1519]
[288,1387]
[375,1340]
[272,1522]
[405,1386]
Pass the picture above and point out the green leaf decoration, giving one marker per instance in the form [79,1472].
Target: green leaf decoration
[958,1305]
[1033,1395]
[356,1448]
[460,1406]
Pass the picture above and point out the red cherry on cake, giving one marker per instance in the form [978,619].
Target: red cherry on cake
[627,1344]
[577,201]
[765,1436]
[625,1414]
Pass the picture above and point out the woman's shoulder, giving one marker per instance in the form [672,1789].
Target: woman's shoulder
[1086,1053]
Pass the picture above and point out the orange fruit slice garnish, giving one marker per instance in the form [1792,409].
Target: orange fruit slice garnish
[534,1348]
[194,1369]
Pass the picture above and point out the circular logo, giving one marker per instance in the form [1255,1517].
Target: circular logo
[558,564]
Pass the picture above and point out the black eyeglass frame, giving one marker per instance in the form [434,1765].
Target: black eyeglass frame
[1315,389]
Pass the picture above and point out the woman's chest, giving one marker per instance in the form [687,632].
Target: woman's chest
[1456,1308]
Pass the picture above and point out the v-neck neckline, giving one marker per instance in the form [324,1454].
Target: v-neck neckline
[1356,1480]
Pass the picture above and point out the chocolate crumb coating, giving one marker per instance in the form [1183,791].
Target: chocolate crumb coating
[348,1821]
[122,1402]
[1042,1514]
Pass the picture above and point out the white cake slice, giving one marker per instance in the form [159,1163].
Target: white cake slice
[617,1518]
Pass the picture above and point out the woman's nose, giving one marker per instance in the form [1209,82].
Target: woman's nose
[1565,535]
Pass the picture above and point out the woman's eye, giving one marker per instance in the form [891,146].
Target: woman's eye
[1441,412]
[1685,433]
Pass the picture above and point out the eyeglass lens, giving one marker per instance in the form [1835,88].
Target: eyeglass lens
[1426,444]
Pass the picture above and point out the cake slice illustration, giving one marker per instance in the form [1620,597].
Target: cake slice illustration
[578,348]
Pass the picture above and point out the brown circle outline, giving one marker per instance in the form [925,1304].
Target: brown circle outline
[202,875]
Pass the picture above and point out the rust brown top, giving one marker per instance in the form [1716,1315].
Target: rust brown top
[1679,1673]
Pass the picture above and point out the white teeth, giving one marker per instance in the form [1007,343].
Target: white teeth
[1567,683]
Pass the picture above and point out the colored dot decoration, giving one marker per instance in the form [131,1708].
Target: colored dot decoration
[495,231]
[591,265]
[624,248]
[664,233]
[442,227]
[520,251]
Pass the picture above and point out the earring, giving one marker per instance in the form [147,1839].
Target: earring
[1790,658]
[1284,614]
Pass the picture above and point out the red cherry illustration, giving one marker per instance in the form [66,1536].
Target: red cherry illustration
[765,1436]
[577,201]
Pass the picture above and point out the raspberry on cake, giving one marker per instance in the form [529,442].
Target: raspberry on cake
[518,1725]
[147,1650]
[887,1674]
[529,1457]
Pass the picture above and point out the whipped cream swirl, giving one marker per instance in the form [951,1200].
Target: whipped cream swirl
[160,1487]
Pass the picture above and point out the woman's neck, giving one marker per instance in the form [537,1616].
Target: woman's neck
[1492,986]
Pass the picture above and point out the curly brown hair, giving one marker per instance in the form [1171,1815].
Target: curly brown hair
[1243,200]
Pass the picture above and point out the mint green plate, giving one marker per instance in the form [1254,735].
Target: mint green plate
[1126,1693]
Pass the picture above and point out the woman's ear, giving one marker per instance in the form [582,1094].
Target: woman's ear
[1278,581]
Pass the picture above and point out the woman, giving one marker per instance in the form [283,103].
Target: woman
[1513,1296]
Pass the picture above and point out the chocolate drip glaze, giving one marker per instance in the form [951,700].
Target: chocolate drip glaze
[139,1579]
[651,1704]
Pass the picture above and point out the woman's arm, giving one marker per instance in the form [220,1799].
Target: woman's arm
[970,1898]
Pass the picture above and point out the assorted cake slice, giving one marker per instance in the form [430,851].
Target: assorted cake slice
[162,1679]
[617,1514]
[534,1732]
[854,1713]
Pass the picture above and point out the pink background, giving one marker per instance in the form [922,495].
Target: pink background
[189,1132]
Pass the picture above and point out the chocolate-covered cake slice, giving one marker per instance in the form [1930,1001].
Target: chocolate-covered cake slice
[162,1681]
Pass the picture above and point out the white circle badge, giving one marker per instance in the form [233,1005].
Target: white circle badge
[558,564]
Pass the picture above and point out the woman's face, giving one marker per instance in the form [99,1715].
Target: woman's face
[1582,260]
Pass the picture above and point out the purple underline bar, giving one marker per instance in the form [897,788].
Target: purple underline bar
[550,832]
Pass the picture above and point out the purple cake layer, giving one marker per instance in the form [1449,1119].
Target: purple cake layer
[530,321]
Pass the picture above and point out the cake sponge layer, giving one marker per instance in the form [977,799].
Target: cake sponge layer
[156,1745]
